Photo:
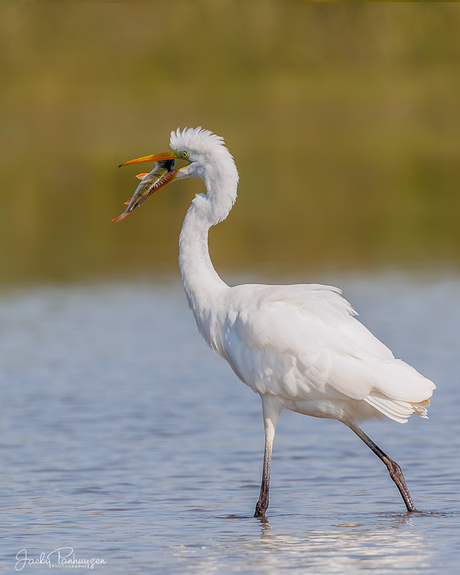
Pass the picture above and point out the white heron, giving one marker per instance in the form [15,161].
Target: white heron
[298,346]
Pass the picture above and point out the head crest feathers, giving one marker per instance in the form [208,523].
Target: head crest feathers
[196,139]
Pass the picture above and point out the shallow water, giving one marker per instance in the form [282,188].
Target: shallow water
[124,438]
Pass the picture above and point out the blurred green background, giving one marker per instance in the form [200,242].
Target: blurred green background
[344,121]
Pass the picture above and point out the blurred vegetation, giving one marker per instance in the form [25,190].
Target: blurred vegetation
[344,121]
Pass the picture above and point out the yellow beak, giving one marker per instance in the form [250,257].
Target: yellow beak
[154,158]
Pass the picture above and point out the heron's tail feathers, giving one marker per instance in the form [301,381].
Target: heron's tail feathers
[399,411]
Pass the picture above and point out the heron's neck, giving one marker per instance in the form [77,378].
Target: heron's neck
[203,287]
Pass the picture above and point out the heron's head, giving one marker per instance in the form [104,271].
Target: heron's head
[162,156]
[201,150]
[203,155]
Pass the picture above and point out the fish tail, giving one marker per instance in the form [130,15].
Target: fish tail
[120,218]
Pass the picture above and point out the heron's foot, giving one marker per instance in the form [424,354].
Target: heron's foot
[397,475]
[261,508]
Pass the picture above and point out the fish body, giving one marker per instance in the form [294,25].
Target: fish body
[161,174]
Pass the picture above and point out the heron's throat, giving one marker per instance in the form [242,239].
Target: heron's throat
[203,287]
[205,290]
[199,277]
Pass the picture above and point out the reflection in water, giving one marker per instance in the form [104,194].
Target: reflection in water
[383,547]
[347,550]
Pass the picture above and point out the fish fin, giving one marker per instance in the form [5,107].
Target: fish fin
[141,176]
[127,202]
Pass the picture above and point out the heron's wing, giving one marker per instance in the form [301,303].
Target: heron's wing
[302,343]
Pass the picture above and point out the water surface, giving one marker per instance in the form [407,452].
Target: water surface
[125,439]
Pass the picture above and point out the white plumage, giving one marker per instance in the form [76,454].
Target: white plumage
[299,347]
[302,345]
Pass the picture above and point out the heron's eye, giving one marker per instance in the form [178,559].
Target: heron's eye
[185,155]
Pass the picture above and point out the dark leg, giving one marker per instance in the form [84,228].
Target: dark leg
[271,412]
[395,471]
[262,504]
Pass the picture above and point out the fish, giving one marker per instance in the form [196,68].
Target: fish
[161,174]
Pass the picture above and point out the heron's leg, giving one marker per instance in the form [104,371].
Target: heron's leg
[271,412]
[395,471]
